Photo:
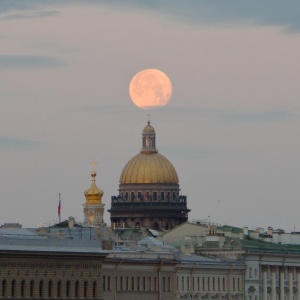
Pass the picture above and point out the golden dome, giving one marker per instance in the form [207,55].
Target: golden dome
[149,168]
[148,129]
[93,195]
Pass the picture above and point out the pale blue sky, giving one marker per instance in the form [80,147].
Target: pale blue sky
[231,128]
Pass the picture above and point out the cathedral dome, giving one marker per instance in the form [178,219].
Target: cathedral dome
[149,193]
[149,168]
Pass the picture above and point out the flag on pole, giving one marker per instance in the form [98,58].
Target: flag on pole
[59,207]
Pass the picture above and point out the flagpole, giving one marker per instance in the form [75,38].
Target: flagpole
[59,207]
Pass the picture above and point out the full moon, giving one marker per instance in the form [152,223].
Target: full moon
[150,88]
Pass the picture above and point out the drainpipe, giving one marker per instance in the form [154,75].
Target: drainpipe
[158,278]
[115,276]
[176,287]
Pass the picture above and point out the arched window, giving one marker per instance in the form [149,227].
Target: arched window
[13,288]
[68,289]
[4,286]
[41,288]
[58,288]
[85,289]
[77,289]
[50,288]
[94,289]
[22,288]
[31,288]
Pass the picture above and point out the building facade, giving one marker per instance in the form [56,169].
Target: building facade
[166,276]
[36,269]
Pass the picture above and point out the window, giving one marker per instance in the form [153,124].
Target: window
[144,284]
[41,288]
[203,283]
[121,283]
[50,288]
[155,284]
[94,289]
[77,289]
[4,286]
[138,283]
[132,283]
[198,283]
[68,289]
[219,284]
[85,289]
[23,288]
[250,272]
[208,283]
[103,283]
[182,283]
[127,283]
[233,284]
[13,288]
[149,283]
[239,286]
[155,196]
[169,284]
[224,285]
[164,284]
[214,285]
[169,196]
[108,283]
[31,288]
[58,288]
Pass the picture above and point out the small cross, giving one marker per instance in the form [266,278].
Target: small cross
[93,164]
[148,118]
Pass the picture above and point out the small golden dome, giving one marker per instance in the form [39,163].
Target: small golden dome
[93,194]
[149,168]
[148,129]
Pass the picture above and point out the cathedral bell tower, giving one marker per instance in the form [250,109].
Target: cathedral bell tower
[93,208]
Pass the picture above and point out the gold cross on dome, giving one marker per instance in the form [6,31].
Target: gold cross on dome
[93,164]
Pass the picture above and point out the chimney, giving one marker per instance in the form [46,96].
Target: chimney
[71,222]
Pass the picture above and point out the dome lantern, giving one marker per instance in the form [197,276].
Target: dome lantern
[148,139]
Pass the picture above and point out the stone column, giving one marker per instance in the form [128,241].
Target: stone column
[291,290]
[273,281]
[281,272]
[264,282]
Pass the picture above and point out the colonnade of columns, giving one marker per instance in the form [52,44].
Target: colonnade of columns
[276,285]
